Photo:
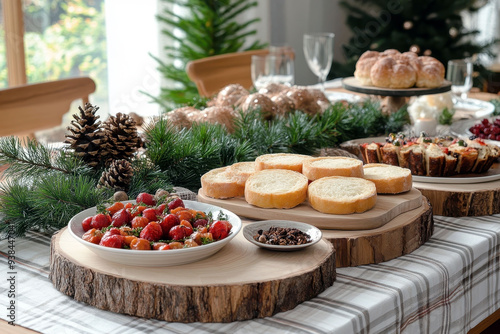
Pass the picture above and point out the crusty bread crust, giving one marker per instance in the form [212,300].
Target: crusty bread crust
[388,179]
[218,183]
[276,188]
[316,168]
[342,195]
[288,161]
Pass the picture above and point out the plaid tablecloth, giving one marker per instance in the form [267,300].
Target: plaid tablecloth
[448,285]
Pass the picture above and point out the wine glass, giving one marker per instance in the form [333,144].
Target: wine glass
[318,49]
[272,68]
[459,73]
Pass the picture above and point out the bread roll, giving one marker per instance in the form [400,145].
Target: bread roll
[431,73]
[342,195]
[364,66]
[393,73]
[276,188]
[388,179]
[280,161]
[241,171]
[316,168]
[218,183]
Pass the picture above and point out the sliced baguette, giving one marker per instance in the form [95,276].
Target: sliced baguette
[288,161]
[276,188]
[390,153]
[370,152]
[434,160]
[218,183]
[342,195]
[242,171]
[316,168]
[466,157]
[388,179]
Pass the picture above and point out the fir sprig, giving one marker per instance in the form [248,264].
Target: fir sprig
[28,157]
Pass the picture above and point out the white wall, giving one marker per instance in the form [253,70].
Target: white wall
[132,33]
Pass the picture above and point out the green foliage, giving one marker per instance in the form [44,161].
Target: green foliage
[205,28]
[64,39]
[430,25]
[496,103]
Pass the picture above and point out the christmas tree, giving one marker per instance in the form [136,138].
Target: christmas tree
[205,28]
[427,27]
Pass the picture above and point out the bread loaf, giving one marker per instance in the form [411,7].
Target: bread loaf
[388,179]
[276,188]
[316,168]
[280,161]
[342,195]
[218,183]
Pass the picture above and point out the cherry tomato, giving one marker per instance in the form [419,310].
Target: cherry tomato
[120,218]
[168,222]
[128,239]
[200,222]
[190,243]
[178,232]
[175,203]
[111,240]
[100,220]
[152,232]
[140,244]
[146,198]
[176,245]
[219,229]
[184,215]
[161,208]
[150,214]
[164,247]
[93,235]
[157,245]
[86,224]
[139,221]
[115,207]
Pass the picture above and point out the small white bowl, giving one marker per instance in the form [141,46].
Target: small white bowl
[251,229]
[156,258]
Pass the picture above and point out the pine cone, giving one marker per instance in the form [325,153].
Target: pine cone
[87,137]
[117,176]
[121,137]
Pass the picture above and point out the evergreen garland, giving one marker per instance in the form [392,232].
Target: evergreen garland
[206,28]
[44,187]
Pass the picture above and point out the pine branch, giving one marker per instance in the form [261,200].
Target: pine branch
[32,158]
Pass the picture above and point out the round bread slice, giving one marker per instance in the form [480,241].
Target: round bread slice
[342,195]
[288,161]
[218,183]
[316,168]
[242,170]
[388,179]
[276,188]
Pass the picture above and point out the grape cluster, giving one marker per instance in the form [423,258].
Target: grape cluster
[486,129]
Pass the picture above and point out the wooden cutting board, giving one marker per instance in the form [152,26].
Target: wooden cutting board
[386,208]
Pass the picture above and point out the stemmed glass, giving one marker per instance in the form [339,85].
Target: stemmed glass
[459,73]
[318,49]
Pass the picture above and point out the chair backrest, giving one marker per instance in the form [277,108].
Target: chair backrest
[32,107]
[211,74]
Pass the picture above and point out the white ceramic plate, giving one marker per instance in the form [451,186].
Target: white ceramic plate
[461,129]
[151,258]
[472,108]
[251,229]
[456,180]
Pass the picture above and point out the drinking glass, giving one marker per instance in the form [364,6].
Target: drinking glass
[459,73]
[272,68]
[318,49]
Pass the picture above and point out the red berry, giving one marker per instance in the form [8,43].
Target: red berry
[152,232]
[120,218]
[150,214]
[100,220]
[497,137]
[86,224]
[168,222]
[112,240]
[146,198]
[178,232]
[175,203]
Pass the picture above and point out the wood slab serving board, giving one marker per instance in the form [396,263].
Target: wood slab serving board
[401,236]
[240,282]
[386,208]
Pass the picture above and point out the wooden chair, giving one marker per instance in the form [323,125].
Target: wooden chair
[211,74]
[28,108]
